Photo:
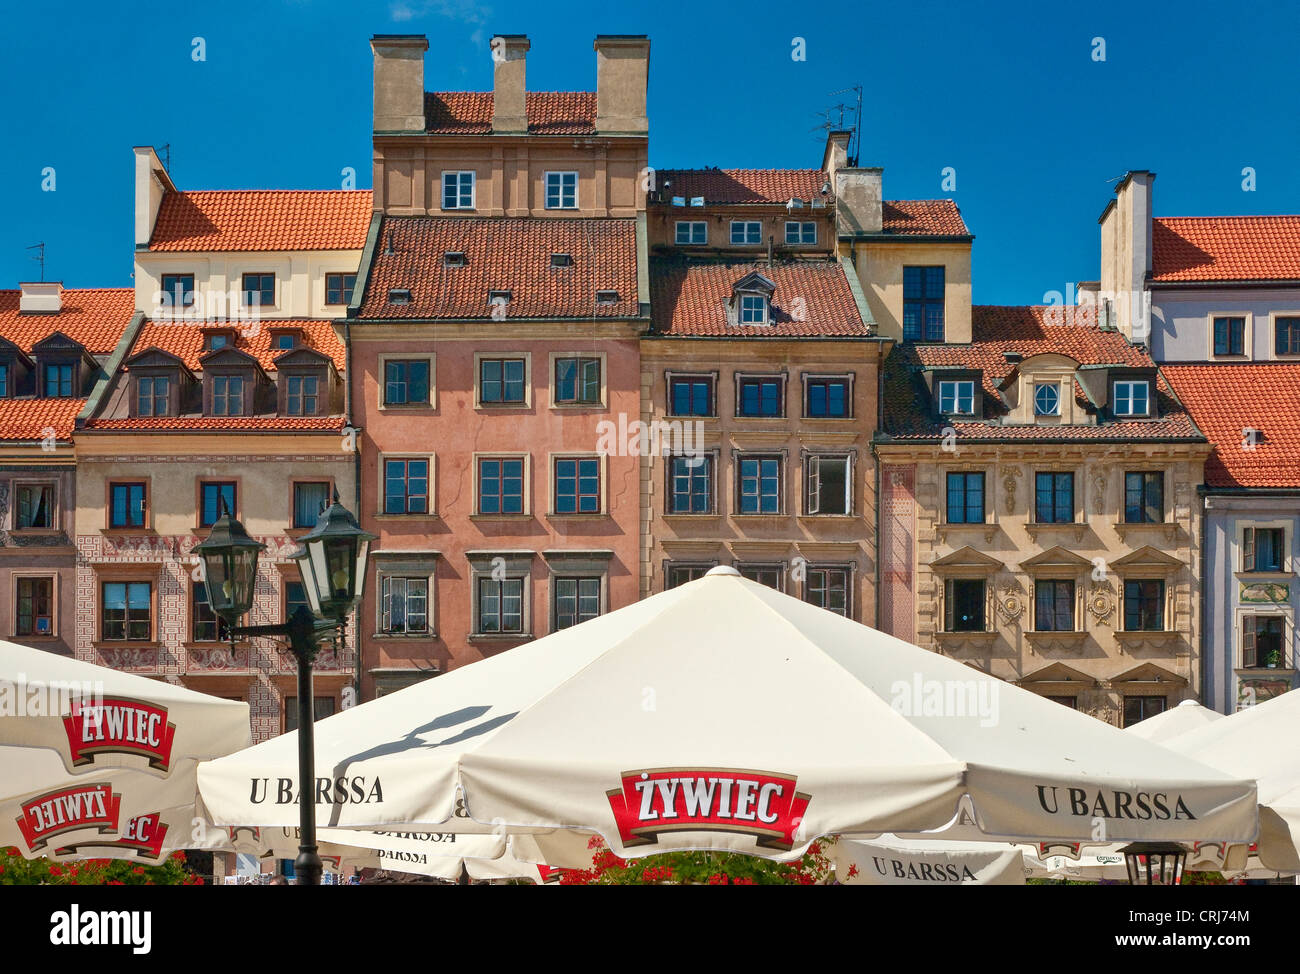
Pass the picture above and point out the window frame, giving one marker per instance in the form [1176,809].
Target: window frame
[670,489]
[745,378]
[812,464]
[187,295]
[691,226]
[583,359]
[600,460]
[801,227]
[925,301]
[55,507]
[403,358]
[1053,387]
[950,603]
[523,579]
[546,189]
[1249,657]
[505,356]
[692,378]
[965,476]
[526,495]
[204,482]
[1248,543]
[1292,318]
[824,568]
[1161,598]
[811,379]
[738,468]
[101,621]
[224,379]
[747,225]
[384,625]
[261,276]
[1143,503]
[345,293]
[146,513]
[459,190]
[15,623]
[294,484]
[957,398]
[1074,499]
[430,485]
[1057,585]
[1245,317]
[577,577]
[1134,383]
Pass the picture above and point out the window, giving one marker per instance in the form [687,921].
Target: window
[681,574]
[828,588]
[746,232]
[212,342]
[406,382]
[575,600]
[4,381]
[227,395]
[577,485]
[561,190]
[211,493]
[295,595]
[1263,550]
[691,490]
[1054,606]
[829,483]
[284,341]
[35,506]
[58,381]
[501,485]
[760,397]
[1229,336]
[1138,709]
[1047,399]
[34,615]
[399,295]
[501,381]
[1131,398]
[1287,336]
[798,232]
[152,395]
[827,399]
[965,498]
[577,381]
[404,605]
[338,288]
[259,290]
[1054,498]
[963,605]
[769,575]
[760,485]
[321,707]
[753,309]
[1261,643]
[127,611]
[1144,497]
[309,500]
[690,395]
[301,397]
[957,398]
[458,190]
[692,232]
[126,505]
[923,304]
[454,258]
[500,605]
[1144,605]
[406,486]
[177,290]
[205,625]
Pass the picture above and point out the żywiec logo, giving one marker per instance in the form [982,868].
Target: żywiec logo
[120,725]
[758,803]
[143,834]
[86,806]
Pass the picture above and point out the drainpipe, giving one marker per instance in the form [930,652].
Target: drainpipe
[1205,640]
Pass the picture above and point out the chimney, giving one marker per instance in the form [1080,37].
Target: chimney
[509,58]
[399,82]
[622,78]
[859,200]
[836,156]
[45,298]
[151,184]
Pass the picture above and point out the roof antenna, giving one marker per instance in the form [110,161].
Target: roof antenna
[166,151]
[39,257]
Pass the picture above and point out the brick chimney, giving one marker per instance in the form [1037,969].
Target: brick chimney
[622,79]
[509,59]
[44,298]
[399,82]
[859,199]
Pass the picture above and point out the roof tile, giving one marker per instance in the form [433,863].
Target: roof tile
[94,317]
[271,219]
[1225,248]
[32,419]
[549,112]
[184,339]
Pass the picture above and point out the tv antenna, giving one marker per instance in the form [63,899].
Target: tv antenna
[39,257]
[166,152]
[844,116]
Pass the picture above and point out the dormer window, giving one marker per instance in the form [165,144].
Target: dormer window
[500,298]
[753,309]
[227,395]
[213,342]
[59,380]
[4,380]
[283,341]
[399,295]
[561,260]
[607,297]
[957,398]
[1047,399]
[1132,398]
[152,395]
[454,258]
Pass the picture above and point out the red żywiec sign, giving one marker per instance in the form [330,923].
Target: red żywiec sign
[658,800]
[120,725]
[143,834]
[93,805]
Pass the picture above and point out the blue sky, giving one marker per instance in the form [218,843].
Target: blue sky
[1008,94]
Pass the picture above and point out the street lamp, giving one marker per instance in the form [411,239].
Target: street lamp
[1154,863]
[332,559]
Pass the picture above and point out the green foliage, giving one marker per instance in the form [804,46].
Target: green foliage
[17,871]
[699,868]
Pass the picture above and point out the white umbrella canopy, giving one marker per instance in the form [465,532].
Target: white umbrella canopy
[725,715]
[89,753]
[1187,716]
[891,861]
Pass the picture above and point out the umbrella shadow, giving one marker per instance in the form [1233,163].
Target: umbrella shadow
[412,739]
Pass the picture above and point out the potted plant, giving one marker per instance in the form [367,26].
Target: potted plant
[1272,658]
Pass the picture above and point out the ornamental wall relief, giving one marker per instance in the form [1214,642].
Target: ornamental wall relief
[1101,601]
[1010,479]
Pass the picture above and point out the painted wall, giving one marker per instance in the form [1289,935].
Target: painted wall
[880,269]
[1182,328]
[39,554]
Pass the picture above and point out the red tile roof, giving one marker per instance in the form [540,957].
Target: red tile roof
[727,186]
[270,219]
[503,254]
[549,112]
[1213,394]
[812,299]
[1225,248]
[185,339]
[235,424]
[929,218]
[94,317]
[31,419]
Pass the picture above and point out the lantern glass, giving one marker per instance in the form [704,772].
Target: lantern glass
[332,559]
[228,564]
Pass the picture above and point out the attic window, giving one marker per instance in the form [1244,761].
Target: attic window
[284,340]
[499,297]
[753,309]
[214,341]
[399,295]
[454,258]
[607,297]
[1250,435]
[561,260]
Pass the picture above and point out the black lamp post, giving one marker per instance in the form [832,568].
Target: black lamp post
[1154,863]
[332,559]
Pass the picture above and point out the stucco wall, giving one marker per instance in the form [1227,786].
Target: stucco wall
[1182,321]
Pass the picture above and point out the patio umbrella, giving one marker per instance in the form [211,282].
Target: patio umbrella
[891,861]
[1187,716]
[725,715]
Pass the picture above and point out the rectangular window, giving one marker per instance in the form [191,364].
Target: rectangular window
[126,505]
[746,232]
[58,381]
[406,486]
[458,190]
[957,398]
[753,309]
[828,588]
[301,398]
[923,289]
[126,611]
[309,500]
[760,397]
[501,485]
[1263,550]
[1132,398]
[1229,336]
[963,605]
[1144,497]
[1144,605]
[965,498]
[829,484]
[561,190]
[152,395]
[1261,643]
[827,399]
[34,615]
[690,395]
[577,381]
[799,232]
[576,600]
[227,395]
[501,605]
[404,604]
[177,290]
[321,707]
[205,625]
[1287,336]
[769,575]
[577,485]
[4,381]
[681,574]
[406,382]
[760,485]
[259,290]
[692,232]
[1054,498]
[211,493]
[294,597]
[501,381]
[35,506]
[338,288]
[1138,709]
[692,485]
[1054,606]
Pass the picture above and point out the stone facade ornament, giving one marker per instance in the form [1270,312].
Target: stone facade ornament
[1010,603]
[1009,479]
[1099,493]
[1101,602]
